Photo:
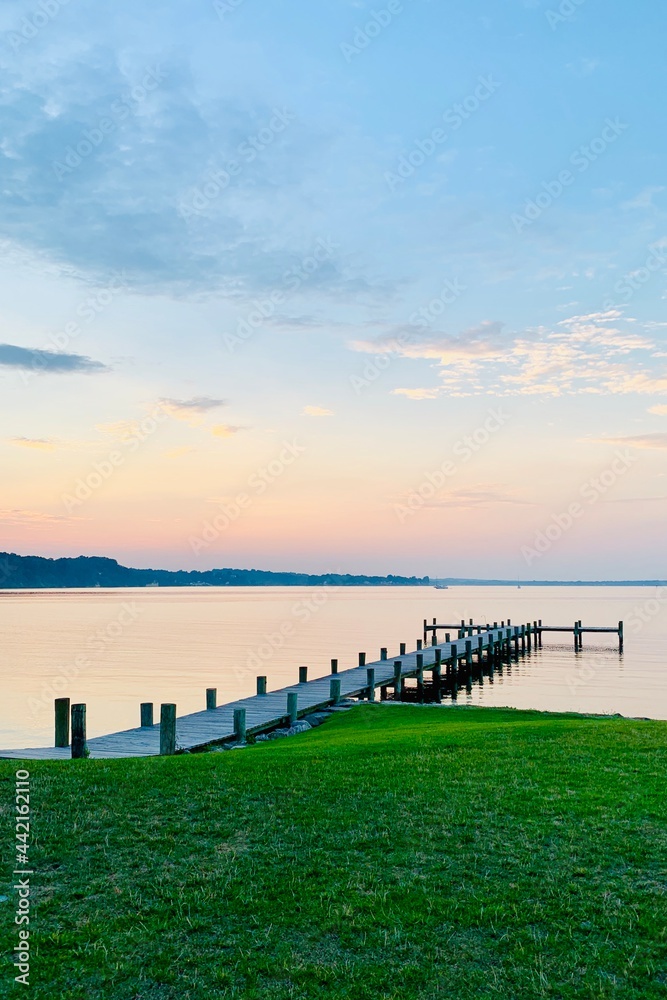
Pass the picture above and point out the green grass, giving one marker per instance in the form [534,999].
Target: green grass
[396,852]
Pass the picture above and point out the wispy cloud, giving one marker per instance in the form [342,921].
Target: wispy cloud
[191,411]
[647,441]
[38,444]
[316,411]
[49,362]
[225,430]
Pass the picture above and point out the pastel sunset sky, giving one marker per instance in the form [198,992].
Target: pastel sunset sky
[368,287]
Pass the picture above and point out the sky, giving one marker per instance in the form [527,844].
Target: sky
[343,286]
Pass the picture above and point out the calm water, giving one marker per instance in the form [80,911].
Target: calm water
[114,649]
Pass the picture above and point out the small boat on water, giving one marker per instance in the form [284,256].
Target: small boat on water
[441,586]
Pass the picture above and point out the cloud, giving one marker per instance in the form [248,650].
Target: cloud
[645,441]
[660,409]
[191,411]
[174,453]
[644,199]
[483,496]
[316,411]
[225,430]
[50,362]
[597,353]
[38,444]
[417,393]
[20,516]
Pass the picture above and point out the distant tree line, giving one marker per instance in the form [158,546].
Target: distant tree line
[35,572]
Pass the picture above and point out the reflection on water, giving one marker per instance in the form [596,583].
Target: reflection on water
[116,648]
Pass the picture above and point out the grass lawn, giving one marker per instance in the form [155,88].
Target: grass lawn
[395,852]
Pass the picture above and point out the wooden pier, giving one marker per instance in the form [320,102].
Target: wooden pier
[477,650]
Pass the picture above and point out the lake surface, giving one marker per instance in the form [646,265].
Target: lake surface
[113,649]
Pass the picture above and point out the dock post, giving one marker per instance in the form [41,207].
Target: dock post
[469,653]
[211,699]
[401,651]
[516,640]
[529,638]
[620,637]
[167,730]
[420,678]
[62,710]
[334,690]
[79,748]
[434,638]
[575,632]
[437,676]
[303,675]
[522,633]
[370,680]
[420,644]
[334,666]
[146,711]
[398,667]
[261,686]
[383,653]
[539,622]
[240,725]
[447,637]
[480,647]
[425,627]
[581,636]
[292,710]
[362,659]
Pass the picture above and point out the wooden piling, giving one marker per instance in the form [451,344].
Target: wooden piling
[539,623]
[78,714]
[334,690]
[62,711]
[420,678]
[146,713]
[398,666]
[211,699]
[620,637]
[292,707]
[383,653]
[469,652]
[303,675]
[362,659]
[370,683]
[261,686]
[575,633]
[240,733]
[529,637]
[420,644]
[167,730]
[401,651]
[334,666]
[383,693]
